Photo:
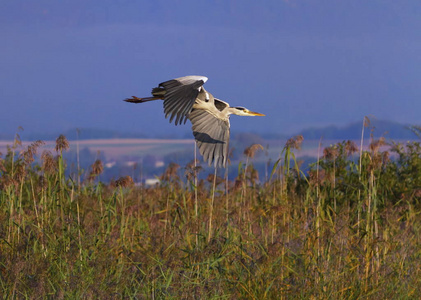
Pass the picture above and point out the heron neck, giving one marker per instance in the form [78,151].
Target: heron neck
[232,111]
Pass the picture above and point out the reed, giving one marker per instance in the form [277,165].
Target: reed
[346,228]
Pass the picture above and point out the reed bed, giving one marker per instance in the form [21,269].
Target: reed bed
[346,228]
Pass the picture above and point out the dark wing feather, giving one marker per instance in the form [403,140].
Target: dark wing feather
[212,137]
[220,105]
[180,96]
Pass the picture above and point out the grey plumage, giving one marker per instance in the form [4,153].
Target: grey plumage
[186,98]
[179,97]
[212,136]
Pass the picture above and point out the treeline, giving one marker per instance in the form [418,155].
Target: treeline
[388,129]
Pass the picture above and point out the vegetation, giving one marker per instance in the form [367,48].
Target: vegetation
[392,130]
[347,228]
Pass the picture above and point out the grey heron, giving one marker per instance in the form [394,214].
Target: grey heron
[186,98]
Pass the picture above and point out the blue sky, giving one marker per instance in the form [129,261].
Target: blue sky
[68,64]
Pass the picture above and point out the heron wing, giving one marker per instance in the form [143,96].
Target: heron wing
[212,136]
[219,104]
[180,95]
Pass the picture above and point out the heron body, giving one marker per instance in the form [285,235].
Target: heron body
[186,98]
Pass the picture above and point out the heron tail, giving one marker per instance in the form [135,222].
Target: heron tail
[158,93]
[135,99]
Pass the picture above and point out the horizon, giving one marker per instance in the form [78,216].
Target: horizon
[393,130]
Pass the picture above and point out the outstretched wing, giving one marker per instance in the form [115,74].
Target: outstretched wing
[212,136]
[180,95]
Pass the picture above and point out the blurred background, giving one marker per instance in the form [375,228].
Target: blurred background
[314,68]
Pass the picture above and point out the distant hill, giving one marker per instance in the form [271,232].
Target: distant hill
[95,133]
[378,128]
[71,134]
[352,131]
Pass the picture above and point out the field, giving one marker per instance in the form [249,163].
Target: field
[146,158]
[116,148]
[348,227]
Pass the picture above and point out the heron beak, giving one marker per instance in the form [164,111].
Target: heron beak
[252,113]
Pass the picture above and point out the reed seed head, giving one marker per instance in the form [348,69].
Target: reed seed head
[17,142]
[49,164]
[366,122]
[250,152]
[30,152]
[20,172]
[211,178]
[192,168]
[6,181]
[96,169]
[350,147]
[331,152]
[253,175]
[125,181]
[376,144]
[61,144]
[295,142]
[170,172]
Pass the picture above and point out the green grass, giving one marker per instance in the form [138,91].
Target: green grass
[340,231]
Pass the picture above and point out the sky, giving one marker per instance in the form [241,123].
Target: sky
[69,64]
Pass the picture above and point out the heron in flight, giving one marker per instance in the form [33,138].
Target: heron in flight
[186,98]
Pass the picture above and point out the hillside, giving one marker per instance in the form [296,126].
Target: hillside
[388,129]
[378,128]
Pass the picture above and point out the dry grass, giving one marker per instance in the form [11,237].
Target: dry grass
[340,232]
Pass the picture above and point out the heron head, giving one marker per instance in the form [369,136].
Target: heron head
[242,111]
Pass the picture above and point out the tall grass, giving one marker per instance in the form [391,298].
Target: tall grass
[347,228]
